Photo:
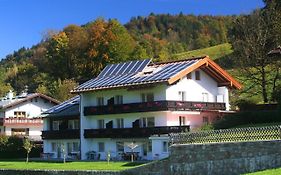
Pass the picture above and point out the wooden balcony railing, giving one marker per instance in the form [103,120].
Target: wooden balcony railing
[61,134]
[153,106]
[11,121]
[133,132]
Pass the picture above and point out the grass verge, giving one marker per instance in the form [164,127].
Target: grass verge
[101,165]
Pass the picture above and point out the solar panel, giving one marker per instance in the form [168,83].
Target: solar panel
[128,73]
[73,101]
[124,68]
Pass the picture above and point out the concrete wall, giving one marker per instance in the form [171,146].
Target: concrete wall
[216,159]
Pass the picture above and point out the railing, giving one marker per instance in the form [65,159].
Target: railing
[61,134]
[153,106]
[133,132]
[228,135]
[22,121]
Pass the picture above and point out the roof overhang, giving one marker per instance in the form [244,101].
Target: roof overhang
[211,68]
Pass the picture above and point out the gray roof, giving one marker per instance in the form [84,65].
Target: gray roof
[68,108]
[135,73]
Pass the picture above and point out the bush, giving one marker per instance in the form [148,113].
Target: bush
[11,147]
[247,117]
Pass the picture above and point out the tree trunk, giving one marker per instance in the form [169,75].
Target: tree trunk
[27,158]
[264,90]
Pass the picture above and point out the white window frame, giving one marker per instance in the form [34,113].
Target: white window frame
[119,123]
[100,101]
[182,95]
[100,124]
[118,100]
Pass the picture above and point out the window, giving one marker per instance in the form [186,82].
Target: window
[165,146]
[120,123]
[100,124]
[197,75]
[147,122]
[205,97]
[182,120]
[54,147]
[118,99]
[101,146]
[205,120]
[189,76]
[20,131]
[147,148]
[148,97]
[120,146]
[72,147]
[36,99]
[73,124]
[56,125]
[20,114]
[182,95]
[100,101]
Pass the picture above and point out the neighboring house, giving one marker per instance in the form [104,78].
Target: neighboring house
[20,115]
[134,106]
[62,129]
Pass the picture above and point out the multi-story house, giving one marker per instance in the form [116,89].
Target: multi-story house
[61,131]
[132,107]
[21,115]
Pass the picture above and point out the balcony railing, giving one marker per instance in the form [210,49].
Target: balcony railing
[61,134]
[153,106]
[133,132]
[21,121]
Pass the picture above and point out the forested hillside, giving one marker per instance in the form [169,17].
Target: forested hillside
[77,53]
[66,58]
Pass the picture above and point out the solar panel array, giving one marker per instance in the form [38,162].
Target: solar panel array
[60,107]
[124,68]
[166,72]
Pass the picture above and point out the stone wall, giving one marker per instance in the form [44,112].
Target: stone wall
[205,159]
[216,158]
[56,172]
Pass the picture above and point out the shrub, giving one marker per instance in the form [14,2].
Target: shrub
[247,117]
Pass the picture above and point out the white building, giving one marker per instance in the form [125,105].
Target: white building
[137,104]
[20,115]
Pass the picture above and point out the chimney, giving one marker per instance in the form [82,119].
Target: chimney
[10,95]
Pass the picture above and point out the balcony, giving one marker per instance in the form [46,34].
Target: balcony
[133,132]
[61,134]
[153,106]
[13,121]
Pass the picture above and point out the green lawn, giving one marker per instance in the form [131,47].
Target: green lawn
[68,165]
[267,172]
[214,52]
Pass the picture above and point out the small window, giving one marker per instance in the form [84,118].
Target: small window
[73,124]
[101,146]
[100,101]
[189,76]
[19,114]
[165,146]
[75,147]
[182,95]
[148,97]
[118,99]
[197,75]
[101,124]
[182,120]
[120,123]
[147,122]
[56,125]
[54,147]
[120,146]
[36,99]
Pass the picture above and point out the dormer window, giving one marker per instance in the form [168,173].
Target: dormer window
[197,75]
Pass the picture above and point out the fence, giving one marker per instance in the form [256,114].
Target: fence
[228,135]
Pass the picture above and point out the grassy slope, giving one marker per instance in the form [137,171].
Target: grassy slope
[267,172]
[117,166]
[214,52]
